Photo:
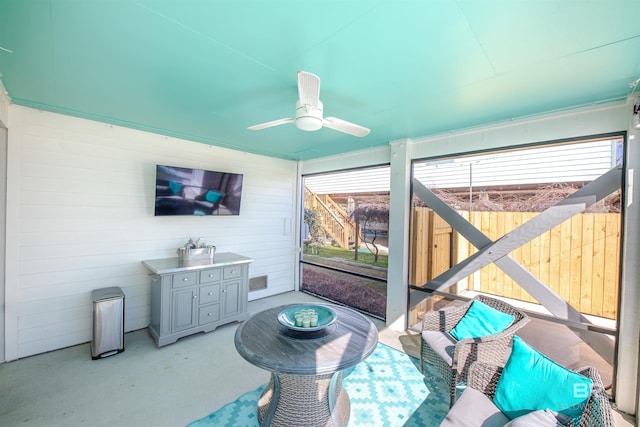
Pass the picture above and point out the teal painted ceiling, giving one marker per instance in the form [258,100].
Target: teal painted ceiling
[206,70]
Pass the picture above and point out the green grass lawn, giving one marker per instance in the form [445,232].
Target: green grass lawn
[349,255]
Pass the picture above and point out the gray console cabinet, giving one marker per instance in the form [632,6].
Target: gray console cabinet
[187,298]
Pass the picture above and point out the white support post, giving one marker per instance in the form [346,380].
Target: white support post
[398,270]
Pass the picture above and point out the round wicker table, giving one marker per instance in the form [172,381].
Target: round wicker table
[305,388]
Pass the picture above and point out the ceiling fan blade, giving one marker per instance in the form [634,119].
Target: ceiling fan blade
[271,124]
[308,88]
[346,127]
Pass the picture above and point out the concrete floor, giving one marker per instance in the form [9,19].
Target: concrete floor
[145,385]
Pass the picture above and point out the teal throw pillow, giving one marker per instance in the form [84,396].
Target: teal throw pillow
[212,196]
[175,187]
[481,321]
[531,381]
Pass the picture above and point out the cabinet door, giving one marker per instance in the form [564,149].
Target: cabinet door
[184,309]
[231,294]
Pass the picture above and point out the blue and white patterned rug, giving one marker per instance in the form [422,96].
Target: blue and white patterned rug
[386,390]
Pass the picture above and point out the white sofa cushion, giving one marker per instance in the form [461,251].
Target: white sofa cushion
[541,418]
[474,409]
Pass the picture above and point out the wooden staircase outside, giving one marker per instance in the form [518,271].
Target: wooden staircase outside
[335,221]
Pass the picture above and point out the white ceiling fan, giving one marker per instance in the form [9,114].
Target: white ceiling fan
[309,111]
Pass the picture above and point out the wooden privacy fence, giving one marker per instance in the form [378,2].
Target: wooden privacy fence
[578,259]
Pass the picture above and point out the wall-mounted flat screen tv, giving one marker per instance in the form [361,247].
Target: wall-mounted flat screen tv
[185,191]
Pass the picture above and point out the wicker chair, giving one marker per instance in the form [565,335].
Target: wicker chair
[454,364]
[484,378]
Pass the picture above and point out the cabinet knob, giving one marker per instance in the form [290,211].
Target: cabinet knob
[224,290]
[209,314]
[185,280]
[210,275]
[195,296]
[233,272]
[210,293]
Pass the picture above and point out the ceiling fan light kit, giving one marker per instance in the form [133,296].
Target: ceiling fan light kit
[308,118]
[309,111]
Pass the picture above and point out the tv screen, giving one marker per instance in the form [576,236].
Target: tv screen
[185,191]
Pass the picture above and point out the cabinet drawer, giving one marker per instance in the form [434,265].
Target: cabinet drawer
[189,278]
[209,294]
[208,314]
[232,272]
[208,276]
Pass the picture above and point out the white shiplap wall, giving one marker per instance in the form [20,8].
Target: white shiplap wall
[4,120]
[4,106]
[81,196]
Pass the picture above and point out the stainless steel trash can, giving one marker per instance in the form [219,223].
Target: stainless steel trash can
[108,322]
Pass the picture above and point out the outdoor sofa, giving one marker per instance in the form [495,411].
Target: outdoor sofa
[479,403]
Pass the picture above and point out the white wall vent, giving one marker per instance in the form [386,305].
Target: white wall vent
[257,283]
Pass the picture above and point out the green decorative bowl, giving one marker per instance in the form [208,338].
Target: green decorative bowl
[301,317]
